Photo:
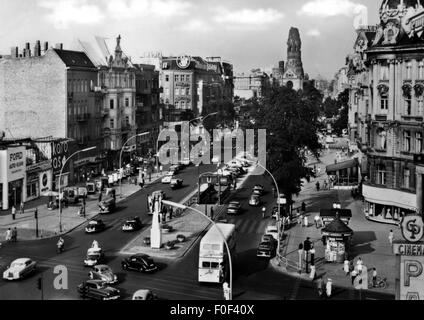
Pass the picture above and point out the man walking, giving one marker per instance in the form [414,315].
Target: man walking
[8,235]
[13,213]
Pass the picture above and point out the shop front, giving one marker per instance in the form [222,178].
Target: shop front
[12,177]
[387,205]
[337,238]
[39,180]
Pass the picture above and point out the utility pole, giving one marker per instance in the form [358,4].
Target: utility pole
[36,222]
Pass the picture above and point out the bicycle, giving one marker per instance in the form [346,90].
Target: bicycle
[380,283]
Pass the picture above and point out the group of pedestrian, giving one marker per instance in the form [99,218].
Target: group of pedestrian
[12,235]
[328,288]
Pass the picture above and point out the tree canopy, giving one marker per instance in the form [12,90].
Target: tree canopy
[225,114]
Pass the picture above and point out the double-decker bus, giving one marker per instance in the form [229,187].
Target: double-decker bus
[213,256]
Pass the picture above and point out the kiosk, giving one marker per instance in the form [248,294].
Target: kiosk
[337,237]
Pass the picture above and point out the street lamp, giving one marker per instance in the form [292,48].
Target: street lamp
[60,180]
[120,157]
[278,201]
[183,207]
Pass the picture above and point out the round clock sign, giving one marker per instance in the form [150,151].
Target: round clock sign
[184,61]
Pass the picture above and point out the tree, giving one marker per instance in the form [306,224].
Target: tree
[291,120]
[343,116]
[225,117]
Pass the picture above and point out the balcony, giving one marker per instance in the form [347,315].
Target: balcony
[83,117]
[412,118]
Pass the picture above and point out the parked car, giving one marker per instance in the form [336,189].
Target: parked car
[258,189]
[234,208]
[167,179]
[254,200]
[19,269]
[144,295]
[133,224]
[272,230]
[175,169]
[104,273]
[265,250]
[107,205]
[141,263]
[94,257]
[267,238]
[176,183]
[95,226]
[98,290]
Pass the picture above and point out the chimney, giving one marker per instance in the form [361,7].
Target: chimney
[27,52]
[46,46]
[37,49]
[59,46]
[14,52]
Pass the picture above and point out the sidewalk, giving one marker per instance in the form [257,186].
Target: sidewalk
[370,240]
[48,221]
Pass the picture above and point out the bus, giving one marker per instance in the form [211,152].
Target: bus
[213,257]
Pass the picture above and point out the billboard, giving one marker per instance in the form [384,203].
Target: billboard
[60,153]
[16,163]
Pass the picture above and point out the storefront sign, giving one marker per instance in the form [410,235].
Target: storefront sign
[16,163]
[59,155]
[45,181]
[412,227]
[408,249]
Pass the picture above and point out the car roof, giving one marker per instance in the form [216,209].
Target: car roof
[21,260]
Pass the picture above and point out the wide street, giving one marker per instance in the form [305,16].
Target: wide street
[177,279]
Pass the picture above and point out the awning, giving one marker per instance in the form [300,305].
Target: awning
[343,165]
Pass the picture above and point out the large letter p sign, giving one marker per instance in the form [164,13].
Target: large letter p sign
[412,269]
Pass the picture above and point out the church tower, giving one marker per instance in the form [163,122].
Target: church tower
[293,72]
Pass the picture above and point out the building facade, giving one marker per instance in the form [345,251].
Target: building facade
[293,75]
[255,84]
[387,102]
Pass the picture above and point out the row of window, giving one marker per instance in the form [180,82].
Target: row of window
[117,80]
[384,105]
[112,103]
[179,78]
[408,146]
[382,177]
[384,71]
[78,85]
[78,133]
[127,122]
[182,105]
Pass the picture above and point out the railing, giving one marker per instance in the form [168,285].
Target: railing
[288,264]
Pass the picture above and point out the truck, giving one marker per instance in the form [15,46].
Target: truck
[213,254]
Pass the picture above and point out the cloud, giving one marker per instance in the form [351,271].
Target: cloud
[65,12]
[119,9]
[331,8]
[246,17]
[196,25]
[313,33]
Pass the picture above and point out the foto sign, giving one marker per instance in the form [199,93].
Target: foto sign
[59,155]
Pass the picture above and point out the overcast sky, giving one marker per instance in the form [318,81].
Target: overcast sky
[249,33]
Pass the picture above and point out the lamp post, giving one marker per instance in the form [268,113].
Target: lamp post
[120,156]
[60,180]
[180,206]
[278,202]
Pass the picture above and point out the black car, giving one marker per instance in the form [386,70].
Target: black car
[133,224]
[141,263]
[98,290]
[266,250]
[176,183]
[95,226]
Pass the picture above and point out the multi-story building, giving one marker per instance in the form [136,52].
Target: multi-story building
[51,93]
[341,82]
[387,102]
[255,84]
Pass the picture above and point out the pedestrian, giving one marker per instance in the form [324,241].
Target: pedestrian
[263,212]
[391,236]
[161,169]
[319,286]
[303,207]
[374,277]
[346,267]
[13,213]
[317,185]
[359,265]
[306,221]
[353,275]
[329,287]
[325,184]
[8,235]
[22,208]
[316,221]
[312,251]
[300,252]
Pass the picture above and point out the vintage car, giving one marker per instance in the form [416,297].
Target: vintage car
[265,250]
[233,208]
[98,290]
[175,169]
[94,257]
[95,226]
[254,200]
[19,269]
[133,224]
[141,263]
[272,230]
[176,183]
[107,205]
[167,179]
[104,273]
[258,189]
[144,295]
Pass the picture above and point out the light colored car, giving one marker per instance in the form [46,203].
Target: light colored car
[167,179]
[144,295]
[104,273]
[272,230]
[254,200]
[94,257]
[20,268]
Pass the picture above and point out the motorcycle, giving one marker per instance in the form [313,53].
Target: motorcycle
[60,247]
